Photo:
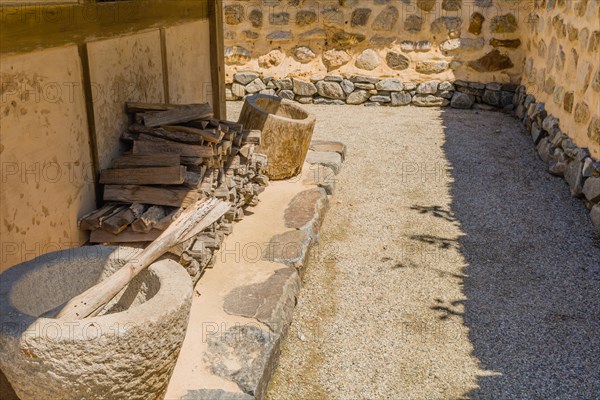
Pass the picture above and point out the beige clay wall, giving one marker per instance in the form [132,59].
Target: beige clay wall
[46,150]
[415,40]
[562,67]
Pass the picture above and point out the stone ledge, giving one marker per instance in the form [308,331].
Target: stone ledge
[561,155]
[244,305]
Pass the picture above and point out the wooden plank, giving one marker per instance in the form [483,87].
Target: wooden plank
[211,135]
[126,236]
[184,150]
[144,176]
[178,115]
[176,135]
[92,220]
[161,196]
[146,160]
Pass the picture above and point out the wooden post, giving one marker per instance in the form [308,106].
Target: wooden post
[217,58]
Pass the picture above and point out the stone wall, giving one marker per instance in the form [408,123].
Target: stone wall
[399,52]
[414,40]
[562,67]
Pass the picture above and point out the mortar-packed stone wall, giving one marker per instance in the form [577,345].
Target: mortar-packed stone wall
[562,67]
[414,40]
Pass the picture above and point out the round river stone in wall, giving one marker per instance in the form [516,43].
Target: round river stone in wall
[386,19]
[331,90]
[367,60]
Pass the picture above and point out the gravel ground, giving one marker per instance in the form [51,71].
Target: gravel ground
[451,266]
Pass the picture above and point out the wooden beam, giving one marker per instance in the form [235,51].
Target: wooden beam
[37,26]
[217,58]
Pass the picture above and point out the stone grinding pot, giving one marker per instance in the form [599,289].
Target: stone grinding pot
[286,132]
[128,351]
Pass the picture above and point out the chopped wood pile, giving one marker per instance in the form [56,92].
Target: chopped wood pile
[177,155]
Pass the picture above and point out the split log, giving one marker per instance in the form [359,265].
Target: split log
[118,222]
[161,196]
[286,132]
[184,150]
[146,160]
[93,220]
[148,220]
[178,115]
[144,176]
[210,135]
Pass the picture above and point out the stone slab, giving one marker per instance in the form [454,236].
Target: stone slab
[329,158]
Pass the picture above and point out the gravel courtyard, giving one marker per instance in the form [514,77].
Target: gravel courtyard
[451,266]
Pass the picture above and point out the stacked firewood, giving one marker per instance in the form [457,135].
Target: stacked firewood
[177,155]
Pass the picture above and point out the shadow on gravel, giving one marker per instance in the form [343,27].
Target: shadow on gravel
[533,276]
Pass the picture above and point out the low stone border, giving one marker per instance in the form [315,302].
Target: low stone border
[560,153]
[255,309]
[356,90]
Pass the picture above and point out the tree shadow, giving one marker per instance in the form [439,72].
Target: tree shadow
[532,279]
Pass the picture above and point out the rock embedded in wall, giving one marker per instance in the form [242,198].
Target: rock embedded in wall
[475,23]
[334,59]
[256,18]
[432,66]
[461,44]
[446,28]
[491,62]
[360,17]
[236,55]
[234,14]
[504,24]
[344,40]
[368,60]
[396,60]
[330,90]
[413,23]
[305,17]
[280,36]
[303,54]
[303,88]
[386,19]
[271,59]
[426,5]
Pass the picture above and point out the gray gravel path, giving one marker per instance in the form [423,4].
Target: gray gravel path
[451,266]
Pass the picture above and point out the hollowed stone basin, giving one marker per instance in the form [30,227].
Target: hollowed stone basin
[286,132]
[128,351]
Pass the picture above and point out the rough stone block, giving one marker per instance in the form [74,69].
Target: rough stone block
[462,100]
[591,189]
[401,98]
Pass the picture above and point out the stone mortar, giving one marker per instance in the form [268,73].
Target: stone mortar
[128,351]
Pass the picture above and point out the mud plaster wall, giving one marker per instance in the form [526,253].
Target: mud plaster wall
[47,174]
[47,169]
[562,67]
[415,40]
